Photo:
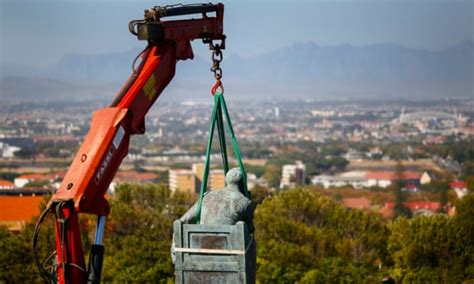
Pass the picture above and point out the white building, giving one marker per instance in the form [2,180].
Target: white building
[7,151]
[385,179]
[425,178]
[354,155]
[364,179]
[339,181]
[6,184]
[459,187]
[23,180]
[291,175]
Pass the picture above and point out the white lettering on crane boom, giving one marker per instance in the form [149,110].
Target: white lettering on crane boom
[109,155]
[118,137]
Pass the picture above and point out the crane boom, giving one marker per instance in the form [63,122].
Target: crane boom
[86,182]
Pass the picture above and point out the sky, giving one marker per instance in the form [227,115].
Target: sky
[39,33]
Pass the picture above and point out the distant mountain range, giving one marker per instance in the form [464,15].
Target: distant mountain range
[301,70]
[45,89]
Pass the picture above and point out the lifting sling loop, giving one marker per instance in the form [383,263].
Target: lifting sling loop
[218,110]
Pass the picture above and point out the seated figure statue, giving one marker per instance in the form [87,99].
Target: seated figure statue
[226,206]
[222,207]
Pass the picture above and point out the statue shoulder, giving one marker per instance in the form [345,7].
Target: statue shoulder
[246,202]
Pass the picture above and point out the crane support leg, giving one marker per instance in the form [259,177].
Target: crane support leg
[96,255]
[68,243]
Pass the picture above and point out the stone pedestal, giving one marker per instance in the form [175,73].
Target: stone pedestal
[214,253]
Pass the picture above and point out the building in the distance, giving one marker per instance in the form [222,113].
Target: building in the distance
[216,179]
[367,179]
[327,181]
[131,177]
[426,208]
[294,174]
[182,180]
[384,179]
[25,179]
[6,184]
[18,210]
[191,180]
[459,187]
[198,170]
[8,151]
[357,203]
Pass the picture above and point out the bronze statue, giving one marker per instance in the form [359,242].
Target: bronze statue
[226,206]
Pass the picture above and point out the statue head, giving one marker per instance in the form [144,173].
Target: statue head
[234,178]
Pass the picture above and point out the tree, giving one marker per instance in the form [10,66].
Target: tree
[339,163]
[140,228]
[303,236]
[425,249]
[37,184]
[259,194]
[25,153]
[272,174]
[8,175]
[468,168]
[443,200]
[16,259]
[463,231]
[470,182]
[399,209]
[255,169]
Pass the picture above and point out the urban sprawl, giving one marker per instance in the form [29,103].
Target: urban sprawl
[353,151]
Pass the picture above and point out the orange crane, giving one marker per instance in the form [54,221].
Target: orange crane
[106,144]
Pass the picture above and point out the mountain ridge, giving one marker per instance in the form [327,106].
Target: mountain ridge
[305,69]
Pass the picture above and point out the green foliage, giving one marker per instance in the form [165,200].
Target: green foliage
[162,177]
[37,183]
[139,233]
[336,269]
[302,236]
[460,151]
[443,200]
[255,169]
[8,176]
[438,186]
[399,209]
[396,151]
[434,249]
[258,194]
[272,174]
[252,150]
[25,153]
[463,229]
[15,259]
[468,168]
[470,182]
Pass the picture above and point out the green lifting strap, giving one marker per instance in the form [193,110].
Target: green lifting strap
[217,119]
